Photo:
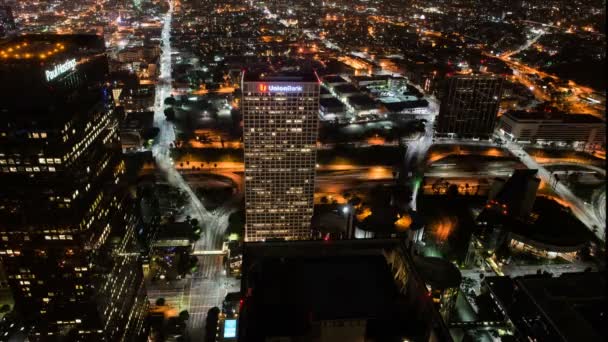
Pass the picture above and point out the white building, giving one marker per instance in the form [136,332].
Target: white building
[581,129]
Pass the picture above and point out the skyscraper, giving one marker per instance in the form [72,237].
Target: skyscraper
[470,106]
[280,131]
[66,223]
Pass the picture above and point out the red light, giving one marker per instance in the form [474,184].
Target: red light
[262,87]
[326,238]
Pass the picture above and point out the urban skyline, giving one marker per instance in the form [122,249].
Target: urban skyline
[199,170]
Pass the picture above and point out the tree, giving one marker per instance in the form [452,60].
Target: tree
[160,302]
[211,324]
[151,133]
[324,200]
[169,114]
[170,101]
[184,315]
[194,223]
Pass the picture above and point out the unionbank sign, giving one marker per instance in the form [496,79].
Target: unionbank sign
[282,88]
[60,69]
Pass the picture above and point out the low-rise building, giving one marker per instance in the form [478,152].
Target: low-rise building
[332,81]
[363,104]
[135,129]
[576,129]
[570,307]
[332,109]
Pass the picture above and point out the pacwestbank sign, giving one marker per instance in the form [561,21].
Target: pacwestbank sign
[279,88]
[60,69]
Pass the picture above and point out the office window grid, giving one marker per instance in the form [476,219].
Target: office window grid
[280,131]
[470,106]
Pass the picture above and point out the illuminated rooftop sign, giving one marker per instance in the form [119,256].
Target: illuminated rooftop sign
[275,88]
[60,69]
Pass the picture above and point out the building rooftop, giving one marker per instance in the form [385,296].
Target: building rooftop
[437,272]
[362,78]
[252,76]
[573,304]
[332,79]
[37,47]
[577,312]
[331,103]
[362,101]
[291,285]
[399,106]
[138,121]
[557,117]
[346,89]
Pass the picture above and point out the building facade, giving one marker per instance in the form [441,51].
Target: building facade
[583,129]
[470,106]
[280,116]
[67,233]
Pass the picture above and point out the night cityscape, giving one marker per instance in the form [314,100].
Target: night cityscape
[303,170]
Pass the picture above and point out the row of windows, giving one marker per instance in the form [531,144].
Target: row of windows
[29,169]
[12,161]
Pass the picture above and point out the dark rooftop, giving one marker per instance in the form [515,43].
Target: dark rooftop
[331,103]
[346,89]
[437,272]
[250,76]
[399,106]
[291,285]
[574,303]
[333,79]
[558,117]
[138,120]
[370,78]
[362,101]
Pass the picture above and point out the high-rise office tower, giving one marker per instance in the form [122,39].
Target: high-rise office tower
[470,106]
[66,223]
[280,115]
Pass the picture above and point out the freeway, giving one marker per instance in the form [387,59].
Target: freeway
[525,46]
[586,215]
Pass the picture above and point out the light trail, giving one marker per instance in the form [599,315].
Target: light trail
[215,223]
[208,286]
[525,46]
[586,215]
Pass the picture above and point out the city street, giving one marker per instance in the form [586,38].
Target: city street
[208,286]
[199,292]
